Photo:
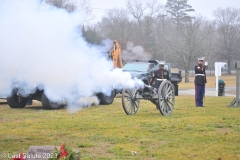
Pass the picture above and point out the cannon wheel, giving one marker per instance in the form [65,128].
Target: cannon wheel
[106,100]
[16,102]
[48,104]
[166,98]
[129,101]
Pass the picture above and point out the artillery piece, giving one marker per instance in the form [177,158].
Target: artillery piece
[162,96]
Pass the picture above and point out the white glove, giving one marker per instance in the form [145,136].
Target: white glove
[206,63]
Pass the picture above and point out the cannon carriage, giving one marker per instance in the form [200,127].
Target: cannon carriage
[161,94]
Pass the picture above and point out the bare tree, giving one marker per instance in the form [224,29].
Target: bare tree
[85,5]
[65,4]
[191,40]
[146,14]
[163,27]
[228,27]
[136,8]
[72,5]
[116,26]
[155,10]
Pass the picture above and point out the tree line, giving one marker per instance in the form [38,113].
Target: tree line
[170,32]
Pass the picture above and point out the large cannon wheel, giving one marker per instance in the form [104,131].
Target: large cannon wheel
[48,104]
[129,101]
[16,101]
[166,98]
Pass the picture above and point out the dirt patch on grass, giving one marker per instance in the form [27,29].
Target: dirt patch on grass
[97,151]
[224,131]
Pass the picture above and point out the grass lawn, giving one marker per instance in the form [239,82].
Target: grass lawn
[106,132]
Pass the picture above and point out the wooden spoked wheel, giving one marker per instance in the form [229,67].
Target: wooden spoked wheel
[166,98]
[129,102]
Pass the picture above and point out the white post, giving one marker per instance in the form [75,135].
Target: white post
[237,88]
[216,86]
[217,73]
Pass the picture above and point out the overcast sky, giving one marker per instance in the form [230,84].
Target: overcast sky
[203,7]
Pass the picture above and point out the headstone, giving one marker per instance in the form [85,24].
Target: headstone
[40,153]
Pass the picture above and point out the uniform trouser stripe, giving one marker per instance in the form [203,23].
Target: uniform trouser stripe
[196,94]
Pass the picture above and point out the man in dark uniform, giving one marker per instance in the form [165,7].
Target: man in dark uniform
[200,81]
[161,74]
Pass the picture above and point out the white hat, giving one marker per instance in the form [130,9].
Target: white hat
[161,63]
[201,58]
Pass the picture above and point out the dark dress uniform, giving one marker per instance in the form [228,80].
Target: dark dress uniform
[159,74]
[200,80]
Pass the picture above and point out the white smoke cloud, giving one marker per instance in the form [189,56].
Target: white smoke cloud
[41,47]
[133,52]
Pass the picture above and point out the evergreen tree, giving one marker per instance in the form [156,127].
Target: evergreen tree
[149,39]
[179,10]
[91,35]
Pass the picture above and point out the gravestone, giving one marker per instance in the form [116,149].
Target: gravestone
[40,153]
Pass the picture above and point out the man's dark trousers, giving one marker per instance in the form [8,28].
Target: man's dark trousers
[199,93]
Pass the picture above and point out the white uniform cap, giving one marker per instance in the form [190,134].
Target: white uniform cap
[201,58]
[161,63]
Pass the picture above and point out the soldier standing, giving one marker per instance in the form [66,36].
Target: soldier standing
[200,81]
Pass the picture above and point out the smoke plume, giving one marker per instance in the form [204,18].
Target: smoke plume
[134,53]
[41,47]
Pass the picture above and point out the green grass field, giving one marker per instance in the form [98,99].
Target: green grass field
[106,132]
[230,80]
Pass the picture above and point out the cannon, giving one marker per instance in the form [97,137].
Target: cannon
[161,94]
